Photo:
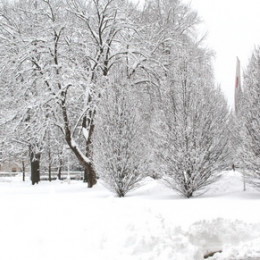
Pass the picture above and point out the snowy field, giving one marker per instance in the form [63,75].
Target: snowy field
[66,221]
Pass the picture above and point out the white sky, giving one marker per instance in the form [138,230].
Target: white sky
[233,28]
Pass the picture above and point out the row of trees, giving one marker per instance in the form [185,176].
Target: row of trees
[129,90]
[247,123]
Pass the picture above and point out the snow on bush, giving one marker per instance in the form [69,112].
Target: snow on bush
[119,149]
[193,142]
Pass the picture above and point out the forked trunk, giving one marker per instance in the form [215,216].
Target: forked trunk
[87,164]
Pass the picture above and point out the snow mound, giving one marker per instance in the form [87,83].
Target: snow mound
[159,240]
[225,236]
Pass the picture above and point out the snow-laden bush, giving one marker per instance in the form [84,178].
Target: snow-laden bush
[118,143]
[193,141]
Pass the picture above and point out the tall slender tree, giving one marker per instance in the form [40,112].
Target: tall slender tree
[193,142]
[249,149]
[120,151]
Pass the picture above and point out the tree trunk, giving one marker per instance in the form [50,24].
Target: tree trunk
[59,169]
[49,156]
[85,177]
[49,169]
[35,166]
[91,175]
[89,171]
[88,165]
[23,169]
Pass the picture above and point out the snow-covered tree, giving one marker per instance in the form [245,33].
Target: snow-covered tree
[57,56]
[19,95]
[193,141]
[120,152]
[249,120]
[45,72]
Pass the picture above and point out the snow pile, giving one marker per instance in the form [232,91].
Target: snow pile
[225,236]
[157,240]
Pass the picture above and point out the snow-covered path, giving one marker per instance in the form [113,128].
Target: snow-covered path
[68,221]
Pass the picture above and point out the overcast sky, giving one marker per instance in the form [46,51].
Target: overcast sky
[233,28]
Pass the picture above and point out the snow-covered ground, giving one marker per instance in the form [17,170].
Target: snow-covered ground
[65,221]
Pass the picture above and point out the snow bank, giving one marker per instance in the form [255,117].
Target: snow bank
[157,240]
[61,221]
[226,236]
